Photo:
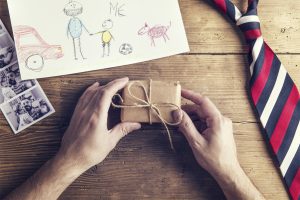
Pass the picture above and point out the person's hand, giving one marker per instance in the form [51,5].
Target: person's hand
[213,146]
[88,141]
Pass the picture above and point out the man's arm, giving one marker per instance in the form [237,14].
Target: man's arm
[214,147]
[68,29]
[49,181]
[100,32]
[85,28]
[86,143]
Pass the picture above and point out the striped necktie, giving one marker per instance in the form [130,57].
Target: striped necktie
[274,94]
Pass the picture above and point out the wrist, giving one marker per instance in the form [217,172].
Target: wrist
[67,164]
[237,185]
[230,176]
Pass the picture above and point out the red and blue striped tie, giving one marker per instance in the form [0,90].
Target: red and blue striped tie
[274,94]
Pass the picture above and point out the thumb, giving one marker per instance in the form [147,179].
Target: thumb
[188,128]
[123,129]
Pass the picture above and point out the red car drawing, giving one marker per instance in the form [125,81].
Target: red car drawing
[32,48]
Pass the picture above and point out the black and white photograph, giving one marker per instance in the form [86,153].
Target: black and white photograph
[11,83]
[27,109]
[7,50]
[2,30]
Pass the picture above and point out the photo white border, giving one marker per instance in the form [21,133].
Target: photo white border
[10,65]
[12,44]
[38,87]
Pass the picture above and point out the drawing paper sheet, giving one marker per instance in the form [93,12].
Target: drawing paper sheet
[22,102]
[57,37]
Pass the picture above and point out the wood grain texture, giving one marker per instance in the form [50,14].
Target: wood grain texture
[142,166]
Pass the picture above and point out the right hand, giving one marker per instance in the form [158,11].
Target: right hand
[214,147]
[88,140]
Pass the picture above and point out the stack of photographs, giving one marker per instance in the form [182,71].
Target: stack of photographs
[23,103]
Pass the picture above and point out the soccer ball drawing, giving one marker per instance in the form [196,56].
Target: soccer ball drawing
[125,49]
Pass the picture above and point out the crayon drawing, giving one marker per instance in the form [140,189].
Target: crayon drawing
[75,25]
[125,49]
[117,9]
[106,36]
[155,32]
[94,34]
[32,48]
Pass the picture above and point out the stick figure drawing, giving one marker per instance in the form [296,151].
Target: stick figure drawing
[75,26]
[106,37]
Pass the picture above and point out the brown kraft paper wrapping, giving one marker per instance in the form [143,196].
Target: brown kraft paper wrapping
[161,94]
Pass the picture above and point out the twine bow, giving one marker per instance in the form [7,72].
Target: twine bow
[153,107]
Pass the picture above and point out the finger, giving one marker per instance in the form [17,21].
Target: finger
[193,109]
[93,86]
[88,94]
[90,88]
[206,106]
[188,128]
[108,91]
[123,129]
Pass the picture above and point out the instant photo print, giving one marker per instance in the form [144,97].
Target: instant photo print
[27,109]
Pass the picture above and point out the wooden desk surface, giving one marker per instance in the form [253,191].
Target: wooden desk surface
[143,166]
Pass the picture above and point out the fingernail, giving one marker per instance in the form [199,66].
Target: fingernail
[136,126]
[124,79]
[177,115]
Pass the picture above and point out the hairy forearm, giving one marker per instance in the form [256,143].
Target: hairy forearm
[48,182]
[236,185]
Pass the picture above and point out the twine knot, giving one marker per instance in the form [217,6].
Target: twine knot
[153,107]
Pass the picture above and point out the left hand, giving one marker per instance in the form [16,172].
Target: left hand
[88,141]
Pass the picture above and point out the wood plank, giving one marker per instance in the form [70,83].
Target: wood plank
[210,32]
[143,166]
[222,78]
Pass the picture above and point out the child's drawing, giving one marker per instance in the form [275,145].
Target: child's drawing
[106,37]
[157,31]
[117,9]
[75,26]
[32,49]
[93,34]
[125,49]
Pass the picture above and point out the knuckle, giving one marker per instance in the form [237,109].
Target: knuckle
[187,125]
[104,92]
[94,122]
[195,144]
[218,118]
[87,94]
[124,130]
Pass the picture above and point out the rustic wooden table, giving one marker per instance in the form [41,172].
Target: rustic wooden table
[142,166]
